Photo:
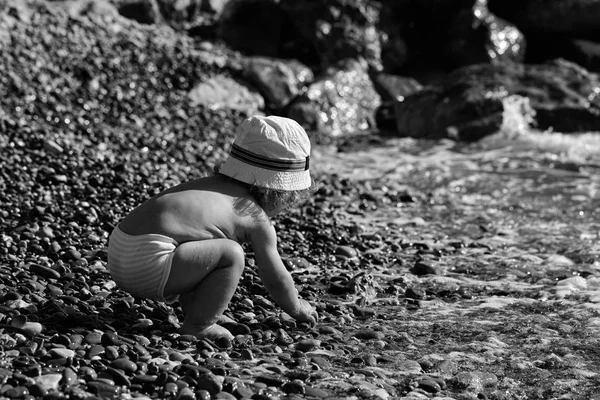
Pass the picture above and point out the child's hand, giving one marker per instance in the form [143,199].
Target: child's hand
[306,313]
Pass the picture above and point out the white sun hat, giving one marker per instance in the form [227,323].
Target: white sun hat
[271,152]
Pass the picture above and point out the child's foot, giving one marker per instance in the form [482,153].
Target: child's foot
[213,332]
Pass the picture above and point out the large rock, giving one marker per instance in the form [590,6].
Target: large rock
[142,11]
[567,29]
[338,29]
[572,17]
[222,92]
[470,103]
[342,101]
[280,81]
[476,36]
[253,27]
[447,34]
[179,11]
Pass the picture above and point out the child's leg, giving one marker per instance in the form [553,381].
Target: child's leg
[209,271]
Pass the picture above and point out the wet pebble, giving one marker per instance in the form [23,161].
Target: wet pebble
[125,364]
[43,271]
[429,385]
[368,334]
[270,380]
[69,377]
[345,252]
[422,267]
[93,337]
[211,383]
[49,381]
[62,352]
[186,394]
[415,292]
[308,345]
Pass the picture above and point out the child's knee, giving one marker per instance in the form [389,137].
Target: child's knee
[233,255]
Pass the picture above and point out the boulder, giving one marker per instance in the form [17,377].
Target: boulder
[446,33]
[142,11]
[177,12]
[555,28]
[341,101]
[102,9]
[337,29]
[470,103]
[477,36]
[280,81]
[224,92]
[570,17]
[253,27]
[391,88]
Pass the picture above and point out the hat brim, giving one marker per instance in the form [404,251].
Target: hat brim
[278,180]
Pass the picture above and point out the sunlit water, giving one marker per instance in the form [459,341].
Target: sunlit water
[532,197]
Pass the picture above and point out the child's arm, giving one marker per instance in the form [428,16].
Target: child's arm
[276,278]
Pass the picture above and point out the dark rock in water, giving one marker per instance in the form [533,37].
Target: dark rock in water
[423,268]
[470,103]
[476,36]
[415,292]
[346,252]
[280,81]
[337,29]
[343,101]
[567,17]
[393,87]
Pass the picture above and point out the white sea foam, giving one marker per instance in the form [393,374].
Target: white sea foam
[519,133]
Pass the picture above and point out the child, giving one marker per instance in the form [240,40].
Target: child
[184,243]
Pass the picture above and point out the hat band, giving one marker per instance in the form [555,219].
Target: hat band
[267,162]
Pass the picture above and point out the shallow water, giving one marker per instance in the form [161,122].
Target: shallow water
[527,196]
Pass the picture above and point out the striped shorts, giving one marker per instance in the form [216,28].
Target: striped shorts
[141,264]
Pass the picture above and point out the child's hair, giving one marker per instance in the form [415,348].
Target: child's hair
[270,199]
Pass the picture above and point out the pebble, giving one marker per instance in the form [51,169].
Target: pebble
[476,380]
[62,353]
[345,252]
[44,272]
[415,292]
[429,385]
[308,345]
[93,337]
[224,396]
[186,394]
[369,334]
[422,267]
[69,377]
[270,380]
[49,381]
[95,350]
[295,386]
[118,377]
[211,383]
[52,147]
[103,389]
[128,366]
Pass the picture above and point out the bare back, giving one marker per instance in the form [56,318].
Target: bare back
[201,209]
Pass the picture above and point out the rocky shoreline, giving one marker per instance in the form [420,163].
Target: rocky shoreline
[451,272]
